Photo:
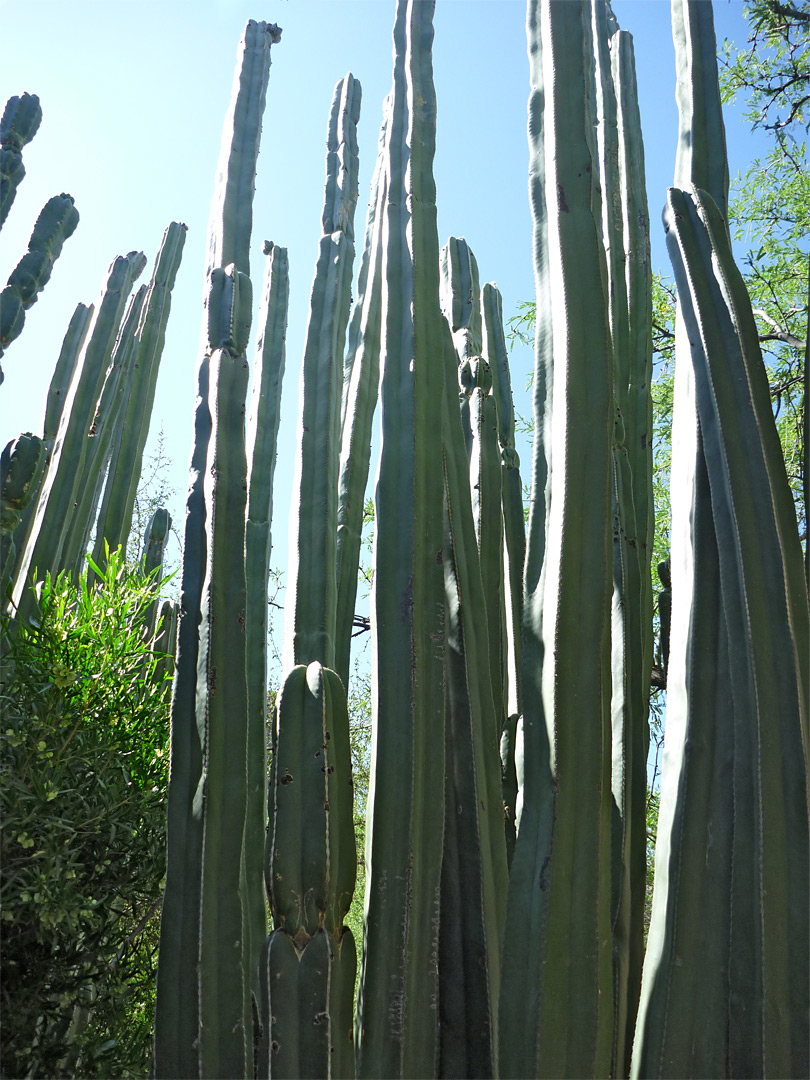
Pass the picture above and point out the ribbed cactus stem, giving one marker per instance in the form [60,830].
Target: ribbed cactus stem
[177,1005]
[361,378]
[115,514]
[309,627]
[55,224]
[741,630]
[102,431]
[262,438]
[474,871]
[209,1033]
[20,123]
[398,1008]
[556,1014]
[514,525]
[43,551]
[158,529]
[60,383]
[21,468]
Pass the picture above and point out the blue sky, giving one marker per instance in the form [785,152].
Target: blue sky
[134,95]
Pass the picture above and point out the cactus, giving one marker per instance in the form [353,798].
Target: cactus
[177,1007]
[361,372]
[55,224]
[397,1025]
[310,879]
[474,871]
[206,1028]
[312,858]
[43,550]
[115,515]
[21,467]
[309,631]
[154,544]
[556,1016]
[20,123]
[106,421]
[262,436]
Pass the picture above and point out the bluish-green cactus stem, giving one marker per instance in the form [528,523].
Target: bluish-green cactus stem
[474,870]
[631,655]
[309,627]
[105,425]
[55,224]
[397,1023]
[21,467]
[43,550]
[262,438]
[177,1004]
[361,372]
[19,124]
[514,524]
[736,909]
[155,537]
[556,1015]
[212,1035]
[57,391]
[460,297]
[311,876]
[115,514]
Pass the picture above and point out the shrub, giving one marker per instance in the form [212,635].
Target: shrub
[83,774]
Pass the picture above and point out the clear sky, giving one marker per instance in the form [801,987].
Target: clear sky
[134,93]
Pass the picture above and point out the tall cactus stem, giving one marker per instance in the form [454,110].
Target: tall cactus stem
[398,1008]
[43,551]
[262,438]
[556,996]
[115,514]
[309,628]
[20,123]
[55,224]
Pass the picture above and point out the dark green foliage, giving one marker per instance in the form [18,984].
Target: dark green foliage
[83,772]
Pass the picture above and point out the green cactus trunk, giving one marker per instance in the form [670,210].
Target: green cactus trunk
[51,524]
[115,515]
[556,995]
[56,223]
[309,632]
[262,437]
[397,1022]
[20,123]
[204,1021]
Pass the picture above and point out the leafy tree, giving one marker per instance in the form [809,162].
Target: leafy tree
[83,774]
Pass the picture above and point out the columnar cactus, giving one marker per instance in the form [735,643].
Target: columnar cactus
[55,224]
[309,631]
[204,1016]
[21,467]
[50,526]
[20,123]
[262,436]
[397,1022]
[556,1016]
[106,423]
[361,372]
